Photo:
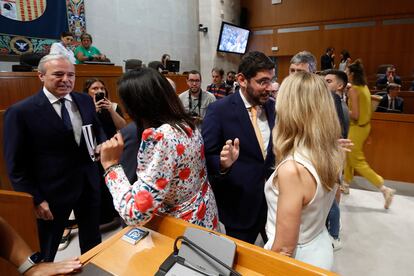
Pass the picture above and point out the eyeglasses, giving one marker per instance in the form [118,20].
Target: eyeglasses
[194,81]
[265,82]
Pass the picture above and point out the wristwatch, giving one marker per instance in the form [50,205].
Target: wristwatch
[31,261]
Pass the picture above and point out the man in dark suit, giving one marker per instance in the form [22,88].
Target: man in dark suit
[327,59]
[47,156]
[238,148]
[389,77]
[390,102]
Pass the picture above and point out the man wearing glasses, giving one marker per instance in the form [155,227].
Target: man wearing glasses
[195,100]
[238,148]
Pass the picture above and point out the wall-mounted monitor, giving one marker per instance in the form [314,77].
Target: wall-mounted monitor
[232,39]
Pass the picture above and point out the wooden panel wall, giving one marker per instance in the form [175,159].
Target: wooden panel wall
[379,44]
[261,13]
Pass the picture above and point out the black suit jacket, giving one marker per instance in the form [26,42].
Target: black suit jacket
[42,157]
[326,62]
[239,193]
[383,105]
[383,81]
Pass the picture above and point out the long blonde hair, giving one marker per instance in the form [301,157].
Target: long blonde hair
[306,118]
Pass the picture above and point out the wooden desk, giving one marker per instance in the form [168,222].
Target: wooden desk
[121,258]
[390,148]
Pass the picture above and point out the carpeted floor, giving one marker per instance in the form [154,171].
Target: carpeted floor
[375,241]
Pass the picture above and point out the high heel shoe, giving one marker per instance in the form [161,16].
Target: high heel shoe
[344,187]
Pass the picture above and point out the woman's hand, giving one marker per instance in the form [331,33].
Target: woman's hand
[229,153]
[58,268]
[106,104]
[345,144]
[111,151]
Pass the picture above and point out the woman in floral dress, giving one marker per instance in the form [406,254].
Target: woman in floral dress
[171,170]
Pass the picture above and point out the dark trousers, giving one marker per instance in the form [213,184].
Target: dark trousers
[86,210]
[250,235]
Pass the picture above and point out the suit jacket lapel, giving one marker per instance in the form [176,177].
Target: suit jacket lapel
[78,104]
[47,112]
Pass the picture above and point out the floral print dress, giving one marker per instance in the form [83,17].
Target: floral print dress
[172,180]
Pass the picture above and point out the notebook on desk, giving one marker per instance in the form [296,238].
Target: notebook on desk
[98,63]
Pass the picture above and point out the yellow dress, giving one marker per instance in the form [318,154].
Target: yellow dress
[358,133]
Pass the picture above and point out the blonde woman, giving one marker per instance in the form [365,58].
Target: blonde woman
[309,161]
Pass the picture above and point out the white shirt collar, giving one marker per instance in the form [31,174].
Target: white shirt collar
[52,98]
[246,103]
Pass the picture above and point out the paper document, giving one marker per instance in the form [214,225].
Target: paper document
[90,141]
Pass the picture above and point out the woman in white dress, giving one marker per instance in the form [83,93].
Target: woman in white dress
[309,161]
[62,47]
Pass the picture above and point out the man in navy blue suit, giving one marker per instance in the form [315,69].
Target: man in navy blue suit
[47,156]
[238,164]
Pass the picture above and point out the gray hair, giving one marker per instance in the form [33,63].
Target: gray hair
[41,67]
[306,58]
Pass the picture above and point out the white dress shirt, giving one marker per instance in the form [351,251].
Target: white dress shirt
[73,111]
[261,121]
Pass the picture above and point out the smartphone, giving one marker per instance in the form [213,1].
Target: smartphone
[99,96]
[134,235]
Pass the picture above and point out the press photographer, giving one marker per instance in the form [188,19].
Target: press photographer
[195,100]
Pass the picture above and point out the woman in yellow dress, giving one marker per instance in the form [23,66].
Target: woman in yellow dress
[359,102]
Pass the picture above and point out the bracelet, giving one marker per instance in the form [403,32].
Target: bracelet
[111,168]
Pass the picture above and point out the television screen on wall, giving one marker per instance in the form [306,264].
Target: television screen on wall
[233,39]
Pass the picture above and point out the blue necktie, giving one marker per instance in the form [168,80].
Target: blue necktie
[65,115]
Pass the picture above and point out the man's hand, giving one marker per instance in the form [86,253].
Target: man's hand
[345,144]
[43,212]
[229,153]
[58,268]
[111,151]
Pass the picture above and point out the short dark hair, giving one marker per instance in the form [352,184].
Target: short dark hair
[392,86]
[163,57]
[340,75]
[345,55]
[358,73]
[253,62]
[65,34]
[151,101]
[88,83]
[231,72]
[193,72]
[86,35]
[219,71]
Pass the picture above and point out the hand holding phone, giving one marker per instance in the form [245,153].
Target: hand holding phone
[99,96]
